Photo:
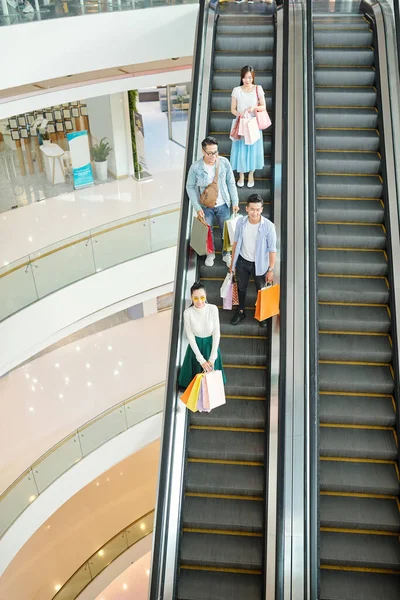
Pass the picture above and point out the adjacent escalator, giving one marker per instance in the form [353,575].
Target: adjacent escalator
[222,540]
[359,477]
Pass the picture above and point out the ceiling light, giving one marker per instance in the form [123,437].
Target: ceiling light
[87,365]
[61,396]
[34,380]
[109,347]
[78,348]
[89,383]
[33,388]
[31,409]
[147,572]
[97,483]
[31,498]
[124,587]
[57,587]
[116,372]
[27,375]
[120,363]
[101,553]
[57,365]
[142,526]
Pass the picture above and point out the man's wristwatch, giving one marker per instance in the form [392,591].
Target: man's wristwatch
[269,269]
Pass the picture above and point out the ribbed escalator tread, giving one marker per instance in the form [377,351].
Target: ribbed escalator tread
[352,118]
[235,413]
[245,381]
[345,442]
[355,348]
[360,550]
[221,551]
[347,139]
[361,290]
[198,585]
[247,327]
[253,349]
[247,44]
[348,162]
[355,378]
[234,60]
[367,514]
[344,36]
[349,210]
[223,515]
[357,410]
[226,445]
[344,76]
[340,185]
[374,319]
[352,57]
[219,478]
[352,585]
[345,96]
[352,262]
[247,28]
[227,80]
[358,477]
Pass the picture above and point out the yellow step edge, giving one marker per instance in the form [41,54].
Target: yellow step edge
[352,249]
[351,151]
[218,428]
[246,398]
[359,495]
[245,366]
[345,67]
[352,47]
[375,461]
[359,394]
[359,569]
[351,426]
[360,531]
[345,128]
[327,332]
[224,496]
[222,532]
[244,337]
[355,223]
[349,303]
[341,276]
[329,86]
[218,461]
[345,197]
[354,362]
[220,569]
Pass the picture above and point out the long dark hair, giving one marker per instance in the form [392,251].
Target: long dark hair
[247,69]
[197,286]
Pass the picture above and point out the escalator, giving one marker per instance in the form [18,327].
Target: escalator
[358,472]
[222,537]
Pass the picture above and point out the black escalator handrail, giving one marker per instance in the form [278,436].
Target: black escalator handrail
[161,524]
[313,417]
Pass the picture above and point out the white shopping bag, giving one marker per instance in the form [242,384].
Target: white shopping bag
[215,390]
[231,224]
[226,285]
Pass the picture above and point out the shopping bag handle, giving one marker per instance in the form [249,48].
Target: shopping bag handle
[201,219]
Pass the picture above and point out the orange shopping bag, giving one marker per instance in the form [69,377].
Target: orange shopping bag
[267,302]
[195,393]
[186,394]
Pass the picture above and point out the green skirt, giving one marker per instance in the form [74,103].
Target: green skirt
[191,366]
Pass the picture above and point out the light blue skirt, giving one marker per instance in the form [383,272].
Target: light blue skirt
[247,158]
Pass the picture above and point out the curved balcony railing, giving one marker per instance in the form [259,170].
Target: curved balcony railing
[41,273]
[105,555]
[13,12]
[74,448]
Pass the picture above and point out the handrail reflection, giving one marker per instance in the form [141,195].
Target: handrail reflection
[105,555]
[73,448]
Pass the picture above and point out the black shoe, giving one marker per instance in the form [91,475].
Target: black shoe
[237,318]
[264,323]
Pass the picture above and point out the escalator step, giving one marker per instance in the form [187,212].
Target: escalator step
[227,80]
[348,162]
[376,444]
[345,96]
[232,42]
[250,326]
[338,23]
[235,413]
[356,348]
[352,57]
[374,319]
[347,139]
[357,410]
[228,61]
[352,262]
[226,445]
[247,28]
[347,36]
[221,551]
[351,236]
[198,585]
[362,551]
[353,289]
[253,351]
[245,381]
[346,512]
[344,76]
[355,378]
[358,477]
[237,480]
[356,211]
[366,118]
[349,186]
[352,585]
[222,514]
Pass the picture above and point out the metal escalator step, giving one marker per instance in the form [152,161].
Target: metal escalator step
[237,480]
[362,379]
[198,585]
[360,550]
[343,116]
[265,29]
[327,19]
[234,61]
[221,551]
[235,413]
[349,186]
[226,445]
[347,140]
[344,76]
[221,101]
[250,326]
[347,442]
[227,81]
[353,585]
[354,348]
[232,42]
[368,163]
[351,211]
[362,290]
[358,477]
[352,262]
[351,236]
[250,351]
[347,36]
[225,143]
[373,319]
[223,514]
[352,57]
[357,410]
[245,381]
[347,512]
[345,96]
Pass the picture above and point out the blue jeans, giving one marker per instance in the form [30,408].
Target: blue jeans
[221,214]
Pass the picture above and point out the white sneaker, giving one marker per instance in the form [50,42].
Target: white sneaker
[227,260]
[210,260]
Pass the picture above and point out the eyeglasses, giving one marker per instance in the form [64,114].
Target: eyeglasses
[211,153]
[197,298]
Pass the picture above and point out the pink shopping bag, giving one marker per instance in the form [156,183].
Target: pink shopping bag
[252,134]
[202,402]
[263,119]
[215,389]
[227,301]
[243,125]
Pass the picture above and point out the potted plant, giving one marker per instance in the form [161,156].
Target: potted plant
[100,154]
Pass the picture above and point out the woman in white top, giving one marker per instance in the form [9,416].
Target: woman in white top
[203,332]
[247,97]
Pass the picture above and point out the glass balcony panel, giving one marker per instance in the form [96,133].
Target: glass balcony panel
[62,458]
[76,584]
[17,500]
[164,230]
[17,287]
[124,240]
[108,553]
[139,409]
[140,529]
[63,263]
[102,430]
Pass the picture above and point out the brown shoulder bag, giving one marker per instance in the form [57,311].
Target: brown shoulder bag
[209,197]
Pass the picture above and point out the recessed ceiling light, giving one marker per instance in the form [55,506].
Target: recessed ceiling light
[101,553]
[57,587]
[31,409]
[31,498]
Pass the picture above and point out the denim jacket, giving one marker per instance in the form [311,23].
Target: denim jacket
[197,181]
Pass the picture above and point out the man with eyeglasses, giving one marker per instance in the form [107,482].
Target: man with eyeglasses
[201,174]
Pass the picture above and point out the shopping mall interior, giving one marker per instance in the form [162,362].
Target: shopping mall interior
[111,488]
